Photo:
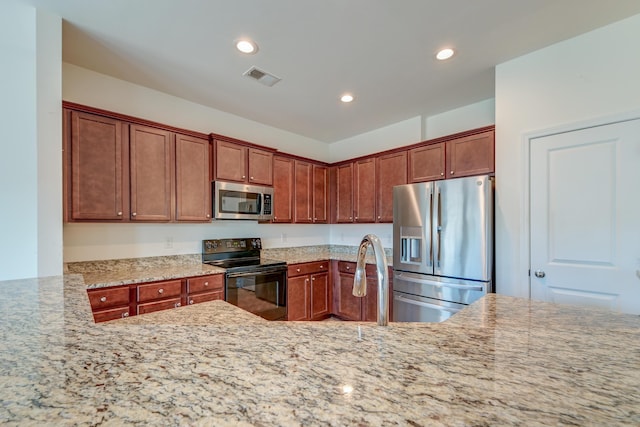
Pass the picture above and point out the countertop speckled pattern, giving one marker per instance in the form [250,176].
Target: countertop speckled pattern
[501,361]
[116,272]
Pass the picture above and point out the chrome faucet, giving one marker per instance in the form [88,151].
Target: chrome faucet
[360,279]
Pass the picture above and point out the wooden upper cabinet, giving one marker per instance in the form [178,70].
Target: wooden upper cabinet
[471,155]
[193,186]
[151,159]
[344,193]
[260,167]
[282,189]
[392,171]
[231,161]
[97,181]
[427,163]
[235,162]
[303,201]
[320,194]
[364,190]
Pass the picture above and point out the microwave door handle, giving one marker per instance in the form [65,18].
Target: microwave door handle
[259,204]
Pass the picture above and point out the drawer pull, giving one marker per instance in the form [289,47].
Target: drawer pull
[206,283]
[160,291]
[298,270]
[322,266]
[190,301]
[348,268]
[103,299]
[178,304]
[125,314]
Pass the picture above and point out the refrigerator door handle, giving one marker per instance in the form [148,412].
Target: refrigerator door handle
[425,304]
[430,229]
[439,229]
[433,283]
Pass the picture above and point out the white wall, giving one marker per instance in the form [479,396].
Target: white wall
[587,77]
[29,247]
[468,117]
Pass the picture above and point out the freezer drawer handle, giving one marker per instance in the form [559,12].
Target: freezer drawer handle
[425,304]
[446,285]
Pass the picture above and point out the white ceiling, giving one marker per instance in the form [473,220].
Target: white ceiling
[380,50]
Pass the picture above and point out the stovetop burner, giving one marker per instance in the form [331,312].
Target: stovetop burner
[236,255]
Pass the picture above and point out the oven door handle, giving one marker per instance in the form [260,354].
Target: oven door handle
[256,273]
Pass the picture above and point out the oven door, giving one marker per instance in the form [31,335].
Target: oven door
[261,292]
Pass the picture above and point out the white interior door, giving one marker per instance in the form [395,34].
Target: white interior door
[585,217]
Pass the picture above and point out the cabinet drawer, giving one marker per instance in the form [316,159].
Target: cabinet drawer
[111,314]
[154,291]
[350,267]
[307,268]
[158,305]
[108,297]
[205,283]
[203,297]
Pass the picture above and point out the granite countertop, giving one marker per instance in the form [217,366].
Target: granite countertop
[108,273]
[500,361]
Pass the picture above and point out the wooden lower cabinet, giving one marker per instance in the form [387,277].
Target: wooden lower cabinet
[123,301]
[205,288]
[346,305]
[308,291]
[109,303]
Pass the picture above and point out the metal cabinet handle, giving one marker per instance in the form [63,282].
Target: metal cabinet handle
[190,301]
[160,290]
[451,172]
[348,268]
[103,299]
[243,176]
[208,215]
[251,178]
[125,314]
[539,274]
[119,213]
[441,173]
[206,283]
[313,278]
[134,214]
[322,266]
[178,305]
[298,270]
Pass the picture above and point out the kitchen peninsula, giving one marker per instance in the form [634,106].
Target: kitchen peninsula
[501,361]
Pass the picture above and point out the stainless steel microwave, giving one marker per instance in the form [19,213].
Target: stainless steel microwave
[232,200]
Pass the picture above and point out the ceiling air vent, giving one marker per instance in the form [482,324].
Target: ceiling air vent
[262,76]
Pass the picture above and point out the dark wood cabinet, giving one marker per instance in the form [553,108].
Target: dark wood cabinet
[320,194]
[343,193]
[346,305]
[392,171]
[303,199]
[427,163]
[151,158]
[120,171]
[157,296]
[193,184]
[205,288]
[98,171]
[471,155]
[109,303]
[308,291]
[364,190]
[238,163]
[283,184]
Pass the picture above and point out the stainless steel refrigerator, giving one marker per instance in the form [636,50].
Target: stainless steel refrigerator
[442,247]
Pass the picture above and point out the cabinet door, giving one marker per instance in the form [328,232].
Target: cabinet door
[471,155]
[260,167]
[348,306]
[230,161]
[365,190]
[320,295]
[302,198]
[193,187]
[97,184]
[392,171]
[320,194]
[282,189]
[344,193]
[427,163]
[298,298]
[151,173]
[370,301]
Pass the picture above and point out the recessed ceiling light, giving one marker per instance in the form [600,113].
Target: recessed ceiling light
[445,54]
[246,46]
[347,97]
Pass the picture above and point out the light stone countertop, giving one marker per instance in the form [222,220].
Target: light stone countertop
[501,361]
[116,272]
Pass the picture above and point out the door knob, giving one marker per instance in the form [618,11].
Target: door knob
[539,274]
